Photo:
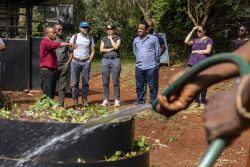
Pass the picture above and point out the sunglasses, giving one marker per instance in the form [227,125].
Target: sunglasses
[85,27]
[110,28]
[241,30]
[199,31]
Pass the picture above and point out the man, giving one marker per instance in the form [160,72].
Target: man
[223,117]
[64,57]
[242,38]
[146,48]
[48,61]
[151,30]
[83,56]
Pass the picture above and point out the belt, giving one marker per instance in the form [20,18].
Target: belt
[48,69]
[111,57]
[81,60]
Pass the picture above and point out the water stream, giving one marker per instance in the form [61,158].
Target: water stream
[68,138]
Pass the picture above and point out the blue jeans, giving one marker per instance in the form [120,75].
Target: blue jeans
[203,96]
[78,67]
[144,77]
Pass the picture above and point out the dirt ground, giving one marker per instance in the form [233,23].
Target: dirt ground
[175,142]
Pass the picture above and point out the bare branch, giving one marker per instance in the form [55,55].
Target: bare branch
[189,13]
[208,6]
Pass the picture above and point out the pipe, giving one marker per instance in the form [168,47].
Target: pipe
[216,146]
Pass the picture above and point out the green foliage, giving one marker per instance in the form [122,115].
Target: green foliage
[140,146]
[46,109]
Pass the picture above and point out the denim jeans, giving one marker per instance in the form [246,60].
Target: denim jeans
[78,67]
[203,96]
[113,67]
[144,77]
[48,80]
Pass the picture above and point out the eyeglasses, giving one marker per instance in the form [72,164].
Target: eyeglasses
[110,28]
[85,27]
[199,31]
[241,30]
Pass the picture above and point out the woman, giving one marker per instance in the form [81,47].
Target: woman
[243,38]
[201,49]
[110,64]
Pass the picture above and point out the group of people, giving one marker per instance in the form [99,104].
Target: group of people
[223,117]
[56,53]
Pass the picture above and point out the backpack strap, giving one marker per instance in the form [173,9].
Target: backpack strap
[90,43]
[75,38]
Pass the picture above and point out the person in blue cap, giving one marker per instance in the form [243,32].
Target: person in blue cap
[82,58]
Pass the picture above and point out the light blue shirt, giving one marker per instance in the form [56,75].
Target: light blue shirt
[83,43]
[147,51]
[1,41]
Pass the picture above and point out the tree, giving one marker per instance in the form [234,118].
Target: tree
[199,10]
[146,8]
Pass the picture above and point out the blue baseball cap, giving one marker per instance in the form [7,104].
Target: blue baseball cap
[84,24]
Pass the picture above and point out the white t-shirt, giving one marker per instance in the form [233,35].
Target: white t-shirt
[83,45]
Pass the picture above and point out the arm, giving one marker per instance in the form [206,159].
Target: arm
[162,45]
[92,53]
[184,96]
[103,50]
[67,44]
[163,48]
[116,45]
[206,51]
[157,48]
[70,54]
[187,39]
[134,48]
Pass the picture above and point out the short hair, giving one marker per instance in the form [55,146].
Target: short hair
[151,21]
[57,24]
[246,28]
[144,22]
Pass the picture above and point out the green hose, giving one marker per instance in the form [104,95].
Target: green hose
[217,146]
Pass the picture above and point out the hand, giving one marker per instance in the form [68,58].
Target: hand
[221,118]
[74,46]
[110,37]
[195,28]
[180,99]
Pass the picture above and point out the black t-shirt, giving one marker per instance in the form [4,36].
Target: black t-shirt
[238,43]
[108,45]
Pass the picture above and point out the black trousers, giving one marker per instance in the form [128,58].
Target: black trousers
[48,80]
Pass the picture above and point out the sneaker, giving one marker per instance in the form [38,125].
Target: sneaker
[85,103]
[195,105]
[105,103]
[117,103]
[202,106]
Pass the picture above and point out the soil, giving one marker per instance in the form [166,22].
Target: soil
[178,141]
